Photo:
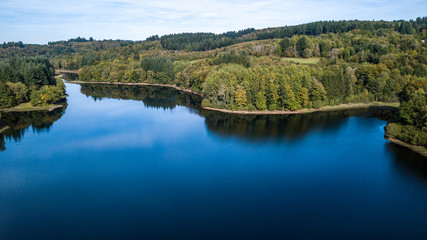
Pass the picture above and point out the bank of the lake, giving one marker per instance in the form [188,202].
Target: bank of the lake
[347,106]
[419,149]
[27,107]
[378,105]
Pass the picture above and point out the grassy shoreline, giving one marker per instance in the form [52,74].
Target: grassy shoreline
[27,107]
[346,106]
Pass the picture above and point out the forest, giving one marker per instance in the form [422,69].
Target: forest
[287,68]
[29,80]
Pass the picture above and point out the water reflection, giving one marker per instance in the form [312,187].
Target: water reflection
[244,127]
[16,123]
[152,97]
[144,169]
[275,127]
[408,161]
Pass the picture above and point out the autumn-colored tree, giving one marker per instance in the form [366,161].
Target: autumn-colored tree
[240,96]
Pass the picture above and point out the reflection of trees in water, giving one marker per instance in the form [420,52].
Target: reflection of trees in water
[408,161]
[246,127]
[275,127]
[19,122]
[151,96]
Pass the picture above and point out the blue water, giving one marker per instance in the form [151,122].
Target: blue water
[155,169]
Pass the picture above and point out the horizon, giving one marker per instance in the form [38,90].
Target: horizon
[40,21]
[256,29]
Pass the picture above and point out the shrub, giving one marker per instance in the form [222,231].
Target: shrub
[251,107]
[317,104]
[272,107]
[206,103]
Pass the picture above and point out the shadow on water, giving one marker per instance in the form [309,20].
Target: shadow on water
[408,161]
[19,122]
[276,127]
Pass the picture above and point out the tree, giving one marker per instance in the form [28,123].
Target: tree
[406,28]
[306,53]
[20,91]
[303,97]
[288,98]
[7,98]
[284,44]
[318,92]
[302,44]
[240,96]
[260,101]
[413,106]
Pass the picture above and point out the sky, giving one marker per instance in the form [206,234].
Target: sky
[40,21]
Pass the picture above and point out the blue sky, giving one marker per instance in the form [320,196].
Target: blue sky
[40,21]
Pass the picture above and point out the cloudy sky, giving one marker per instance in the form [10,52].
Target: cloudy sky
[40,21]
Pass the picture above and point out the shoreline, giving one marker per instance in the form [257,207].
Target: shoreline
[345,106]
[26,107]
[419,149]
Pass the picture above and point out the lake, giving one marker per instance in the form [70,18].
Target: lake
[131,162]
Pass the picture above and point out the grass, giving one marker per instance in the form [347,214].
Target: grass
[358,105]
[26,107]
[302,60]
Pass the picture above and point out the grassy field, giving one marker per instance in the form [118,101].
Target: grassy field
[302,60]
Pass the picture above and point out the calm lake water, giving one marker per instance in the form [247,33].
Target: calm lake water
[125,162]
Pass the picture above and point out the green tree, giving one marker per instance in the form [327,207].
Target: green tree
[284,44]
[318,92]
[301,45]
[413,106]
[303,97]
[7,98]
[260,101]
[20,91]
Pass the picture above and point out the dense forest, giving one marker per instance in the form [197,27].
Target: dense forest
[29,79]
[287,68]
